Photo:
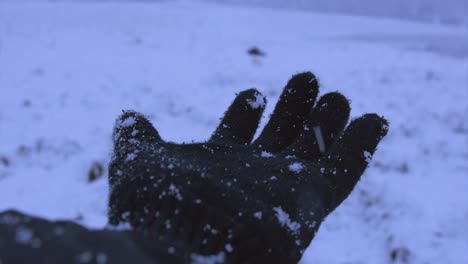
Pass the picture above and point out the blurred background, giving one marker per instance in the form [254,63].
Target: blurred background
[68,68]
[433,11]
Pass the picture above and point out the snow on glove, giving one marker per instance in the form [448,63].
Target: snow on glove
[236,201]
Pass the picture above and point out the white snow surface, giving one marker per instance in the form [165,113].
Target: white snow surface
[435,11]
[68,69]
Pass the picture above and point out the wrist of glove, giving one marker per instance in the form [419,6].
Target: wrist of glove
[241,201]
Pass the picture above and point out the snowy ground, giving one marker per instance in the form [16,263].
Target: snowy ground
[67,70]
[432,11]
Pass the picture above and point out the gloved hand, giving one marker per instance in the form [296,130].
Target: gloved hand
[237,201]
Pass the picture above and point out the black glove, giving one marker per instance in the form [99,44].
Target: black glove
[237,201]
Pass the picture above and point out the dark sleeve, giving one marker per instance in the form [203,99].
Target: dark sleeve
[26,239]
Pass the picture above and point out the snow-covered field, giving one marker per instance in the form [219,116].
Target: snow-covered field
[68,69]
[433,11]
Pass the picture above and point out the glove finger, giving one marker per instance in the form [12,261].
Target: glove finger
[241,120]
[287,119]
[322,128]
[130,131]
[348,158]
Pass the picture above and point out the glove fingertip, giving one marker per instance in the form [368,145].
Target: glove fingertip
[331,114]
[304,79]
[305,83]
[333,103]
[241,120]
[254,98]
[368,130]
[132,125]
